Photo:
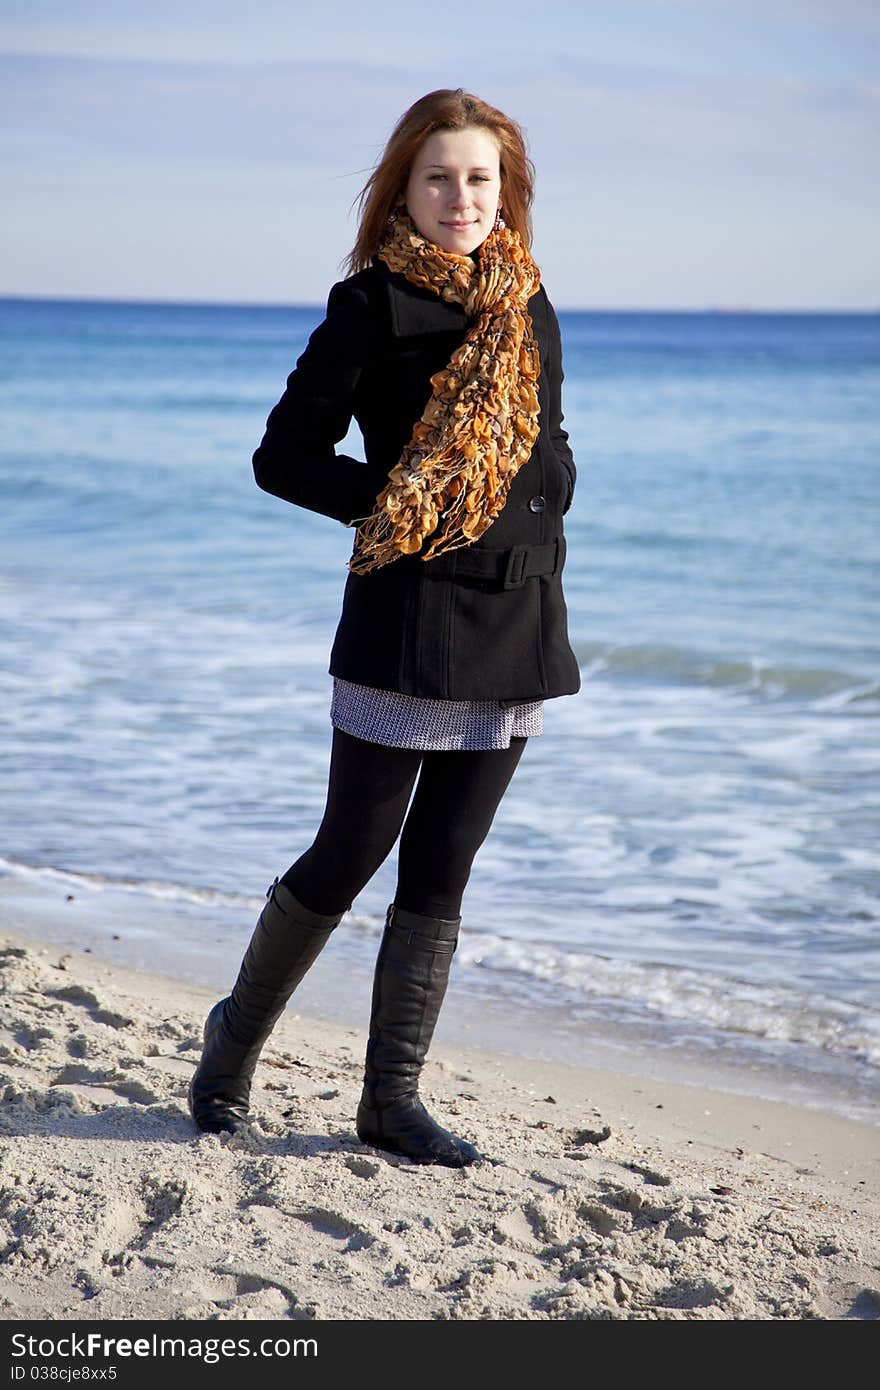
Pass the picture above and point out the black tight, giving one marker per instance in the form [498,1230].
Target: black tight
[369,789]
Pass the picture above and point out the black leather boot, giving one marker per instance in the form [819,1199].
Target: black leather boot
[412,972]
[287,939]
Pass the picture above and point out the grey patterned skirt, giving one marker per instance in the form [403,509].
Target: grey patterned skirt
[410,721]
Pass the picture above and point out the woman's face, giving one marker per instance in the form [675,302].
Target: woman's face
[454,186]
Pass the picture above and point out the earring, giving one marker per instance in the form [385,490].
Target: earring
[500,223]
[392,218]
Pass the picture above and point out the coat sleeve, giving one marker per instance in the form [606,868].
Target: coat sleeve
[555,378]
[296,459]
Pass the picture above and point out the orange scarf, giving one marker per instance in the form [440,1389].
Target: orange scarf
[481,422]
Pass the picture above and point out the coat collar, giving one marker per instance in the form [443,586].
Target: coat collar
[417,310]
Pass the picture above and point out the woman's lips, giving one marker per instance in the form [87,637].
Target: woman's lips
[457,226]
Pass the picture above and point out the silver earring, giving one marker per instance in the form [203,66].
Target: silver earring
[392,218]
[500,223]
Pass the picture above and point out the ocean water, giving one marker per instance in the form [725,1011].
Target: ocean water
[692,849]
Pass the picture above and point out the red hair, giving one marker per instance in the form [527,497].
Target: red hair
[445,109]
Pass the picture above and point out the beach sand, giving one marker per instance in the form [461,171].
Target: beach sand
[602,1195]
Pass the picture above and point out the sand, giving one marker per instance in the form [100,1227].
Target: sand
[601,1196]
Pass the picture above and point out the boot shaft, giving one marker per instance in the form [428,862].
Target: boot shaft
[412,974]
[286,942]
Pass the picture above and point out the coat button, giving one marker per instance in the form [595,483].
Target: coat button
[536,504]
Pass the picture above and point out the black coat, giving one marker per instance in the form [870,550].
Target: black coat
[487,621]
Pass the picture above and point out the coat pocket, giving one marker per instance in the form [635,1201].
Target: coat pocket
[496,641]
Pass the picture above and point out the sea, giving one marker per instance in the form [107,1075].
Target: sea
[688,858]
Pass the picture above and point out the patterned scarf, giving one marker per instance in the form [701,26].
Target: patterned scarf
[481,422]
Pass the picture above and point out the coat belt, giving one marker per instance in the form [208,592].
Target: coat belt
[509,568]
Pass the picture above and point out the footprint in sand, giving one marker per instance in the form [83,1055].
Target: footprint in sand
[361,1167]
[649,1174]
[75,1074]
[78,994]
[333,1223]
[256,1294]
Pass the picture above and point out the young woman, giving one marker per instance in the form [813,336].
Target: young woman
[444,347]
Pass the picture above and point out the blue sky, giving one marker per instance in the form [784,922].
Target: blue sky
[689,155]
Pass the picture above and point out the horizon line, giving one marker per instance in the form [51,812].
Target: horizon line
[162,301]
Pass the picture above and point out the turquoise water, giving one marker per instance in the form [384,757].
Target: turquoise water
[694,841]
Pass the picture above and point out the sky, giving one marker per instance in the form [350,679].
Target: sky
[690,154]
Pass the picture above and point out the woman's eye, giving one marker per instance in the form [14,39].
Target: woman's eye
[481,178]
